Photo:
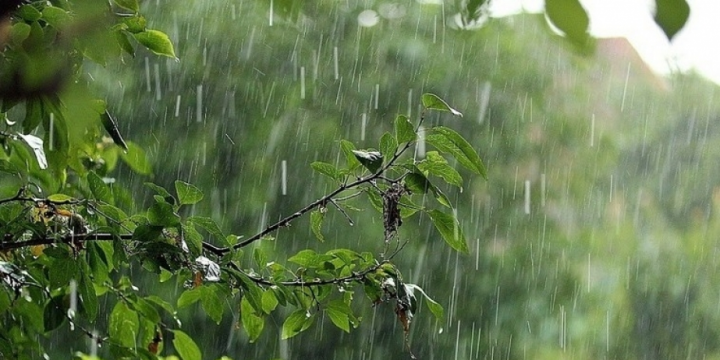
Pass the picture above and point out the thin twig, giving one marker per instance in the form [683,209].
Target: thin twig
[343,212]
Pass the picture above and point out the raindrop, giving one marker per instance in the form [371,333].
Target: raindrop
[420,147]
[368,18]
[543,185]
[336,65]
[484,101]
[627,77]
[302,82]
[592,130]
[377,95]
[158,93]
[177,106]
[363,123]
[147,73]
[198,110]
[73,303]
[410,97]
[527,197]
[52,127]
[283,166]
[270,16]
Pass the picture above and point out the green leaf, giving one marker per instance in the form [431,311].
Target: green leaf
[136,159]
[347,149]
[304,258]
[450,230]
[211,303]
[29,13]
[188,194]
[156,41]
[33,113]
[433,102]
[55,16]
[55,313]
[339,313]
[296,323]
[124,42]
[372,160]
[131,5]
[252,322]
[146,233]
[19,32]
[124,325]
[59,198]
[61,271]
[162,192]
[450,142]
[435,164]
[134,24]
[36,144]
[388,146]
[671,16]
[434,307]
[99,188]
[570,17]
[147,310]
[404,131]
[316,219]
[162,214]
[189,297]
[208,225]
[418,182]
[269,301]
[89,297]
[185,346]
[326,169]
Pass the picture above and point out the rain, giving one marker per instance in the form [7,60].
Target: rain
[594,236]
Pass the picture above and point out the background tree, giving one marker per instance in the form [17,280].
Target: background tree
[527,272]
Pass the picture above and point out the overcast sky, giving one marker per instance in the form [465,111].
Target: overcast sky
[696,46]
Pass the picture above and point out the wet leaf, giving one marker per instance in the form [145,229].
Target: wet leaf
[211,303]
[156,41]
[450,230]
[36,144]
[316,220]
[434,307]
[136,159]
[269,301]
[326,169]
[296,323]
[571,18]
[59,198]
[124,325]
[188,194]
[436,165]
[162,214]
[88,296]
[372,160]
[29,13]
[185,346]
[347,149]
[208,225]
[99,188]
[671,16]
[339,313]
[388,146]
[189,297]
[112,129]
[404,131]
[55,16]
[131,5]
[433,102]
[252,322]
[55,313]
[450,142]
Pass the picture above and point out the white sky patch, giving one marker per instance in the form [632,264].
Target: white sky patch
[694,47]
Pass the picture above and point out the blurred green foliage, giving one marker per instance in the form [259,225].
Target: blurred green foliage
[594,235]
